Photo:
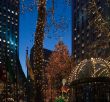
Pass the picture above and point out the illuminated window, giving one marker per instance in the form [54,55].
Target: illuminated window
[16,24]
[87,34]
[8,16]
[16,13]
[4,40]
[0,39]
[16,32]
[75,29]
[8,20]
[16,20]
[11,51]
[8,42]
[12,43]
[82,45]
[12,12]
[82,51]
[8,10]
[78,35]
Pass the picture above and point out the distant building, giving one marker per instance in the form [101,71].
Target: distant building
[91,27]
[46,53]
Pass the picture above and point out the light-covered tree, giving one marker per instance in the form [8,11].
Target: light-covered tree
[59,67]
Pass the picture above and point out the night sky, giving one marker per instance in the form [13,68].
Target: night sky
[27,28]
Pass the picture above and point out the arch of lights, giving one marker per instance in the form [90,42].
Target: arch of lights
[94,67]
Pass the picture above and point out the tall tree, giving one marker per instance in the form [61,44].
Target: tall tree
[38,45]
[58,68]
[38,50]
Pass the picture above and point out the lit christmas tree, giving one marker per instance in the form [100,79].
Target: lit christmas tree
[100,25]
[58,68]
[38,43]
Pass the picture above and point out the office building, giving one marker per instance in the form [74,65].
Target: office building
[9,32]
[91,29]
[11,71]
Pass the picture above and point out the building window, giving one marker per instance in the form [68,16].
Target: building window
[8,42]
[16,24]
[16,13]
[75,55]
[12,22]
[78,35]
[16,32]
[87,34]
[82,45]
[4,40]
[82,51]
[4,15]
[75,38]
[8,16]
[8,10]
[8,20]
[12,12]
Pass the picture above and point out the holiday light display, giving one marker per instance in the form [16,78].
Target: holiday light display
[58,67]
[94,67]
[101,29]
[38,50]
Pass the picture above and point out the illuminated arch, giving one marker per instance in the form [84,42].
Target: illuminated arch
[94,67]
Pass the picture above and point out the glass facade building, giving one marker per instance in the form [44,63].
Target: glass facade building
[9,46]
[91,29]
[9,32]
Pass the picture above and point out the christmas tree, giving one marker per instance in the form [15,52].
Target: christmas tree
[57,69]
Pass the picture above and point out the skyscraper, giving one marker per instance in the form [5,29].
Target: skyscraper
[9,42]
[9,32]
[91,29]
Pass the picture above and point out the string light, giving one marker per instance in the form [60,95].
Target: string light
[99,68]
[58,67]
[100,27]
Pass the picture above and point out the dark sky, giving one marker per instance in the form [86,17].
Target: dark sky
[28,21]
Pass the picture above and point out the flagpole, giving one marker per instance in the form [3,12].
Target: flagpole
[27,68]
[28,99]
